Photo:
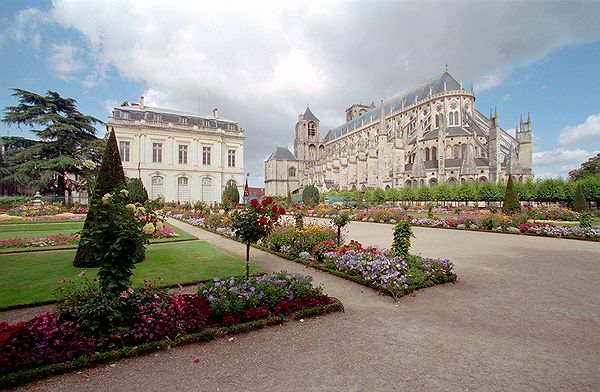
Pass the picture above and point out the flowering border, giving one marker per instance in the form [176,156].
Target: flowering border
[24,376]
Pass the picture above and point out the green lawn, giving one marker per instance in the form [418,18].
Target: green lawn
[29,278]
[44,229]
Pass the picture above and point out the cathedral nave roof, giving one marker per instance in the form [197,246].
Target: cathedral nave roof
[281,154]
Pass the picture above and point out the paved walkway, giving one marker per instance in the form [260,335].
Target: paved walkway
[524,315]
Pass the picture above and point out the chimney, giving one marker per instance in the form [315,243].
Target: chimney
[216,112]
[142,101]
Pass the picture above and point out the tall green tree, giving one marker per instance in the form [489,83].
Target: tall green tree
[231,196]
[580,204]
[65,138]
[587,169]
[111,178]
[310,195]
[511,202]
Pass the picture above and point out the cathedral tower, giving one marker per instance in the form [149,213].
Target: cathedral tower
[524,135]
[308,145]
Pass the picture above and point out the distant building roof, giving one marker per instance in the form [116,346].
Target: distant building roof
[151,109]
[439,84]
[256,192]
[282,154]
[308,115]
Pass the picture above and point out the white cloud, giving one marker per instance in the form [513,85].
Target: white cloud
[64,60]
[558,162]
[25,26]
[588,132]
[262,62]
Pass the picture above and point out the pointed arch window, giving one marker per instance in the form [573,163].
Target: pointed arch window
[312,130]
[427,154]
[292,172]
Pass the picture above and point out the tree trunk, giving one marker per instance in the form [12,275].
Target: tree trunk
[247,260]
[61,188]
[339,235]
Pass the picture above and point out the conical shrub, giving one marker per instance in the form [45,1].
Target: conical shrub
[580,204]
[110,178]
[511,202]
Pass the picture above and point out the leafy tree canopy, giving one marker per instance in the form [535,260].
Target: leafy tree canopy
[589,168]
[67,138]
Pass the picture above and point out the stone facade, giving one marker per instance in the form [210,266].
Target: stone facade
[430,135]
[183,156]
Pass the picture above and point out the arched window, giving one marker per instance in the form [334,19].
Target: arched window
[321,152]
[482,179]
[408,183]
[463,150]
[312,130]
[292,172]
[432,182]
[451,119]
[456,151]
[437,120]
[157,187]
[312,152]
[452,181]
[427,153]
[456,122]
[448,152]
[476,152]
[434,156]
[207,194]
[183,189]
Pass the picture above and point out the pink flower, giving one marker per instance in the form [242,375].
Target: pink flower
[197,360]
[123,294]
[82,273]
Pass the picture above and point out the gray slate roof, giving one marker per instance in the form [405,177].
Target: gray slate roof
[282,154]
[308,115]
[439,84]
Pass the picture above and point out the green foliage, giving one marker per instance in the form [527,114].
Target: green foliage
[488,192]
[66,140]
[299,219]
[116,240]
[110,178]
[587,169]
[579,202]
[379,196]
[586,219]
[442,192]
[550,190]
[408,193]
[369,195]
[424,193]
[402,234]
[231,196]
[310,196]
[340,220]
[392,194]
[137,191]
[511,202]
[591,188]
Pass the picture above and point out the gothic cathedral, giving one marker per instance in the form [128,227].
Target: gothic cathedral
[432,134]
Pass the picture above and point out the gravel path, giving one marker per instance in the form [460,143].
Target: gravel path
[524,315]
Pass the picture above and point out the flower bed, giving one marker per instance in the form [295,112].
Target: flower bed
[49,240]
[554,213]
[59,217]
[378,268]
[91,323]
[298,241]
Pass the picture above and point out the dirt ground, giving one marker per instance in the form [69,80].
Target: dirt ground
[524,315]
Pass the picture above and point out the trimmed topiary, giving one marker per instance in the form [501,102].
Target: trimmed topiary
[579,202]
[137,191]
[231,196]
[511,202]
[110,178]
[310,195]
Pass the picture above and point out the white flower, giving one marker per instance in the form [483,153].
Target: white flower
[106,198]
[89,164]
[124,192]
[159,226]
[141,211]
[131,207]
[148,228]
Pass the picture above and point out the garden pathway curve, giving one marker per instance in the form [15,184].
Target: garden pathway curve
[524,315]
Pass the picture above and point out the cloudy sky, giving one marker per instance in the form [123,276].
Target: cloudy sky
[261,63]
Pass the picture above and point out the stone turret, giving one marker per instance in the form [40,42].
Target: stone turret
[524,137]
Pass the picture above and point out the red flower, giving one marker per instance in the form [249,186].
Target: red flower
[265,202]
[275,217]
[281,211]
[269,200]
[262,221]
[254,203]
[274,208]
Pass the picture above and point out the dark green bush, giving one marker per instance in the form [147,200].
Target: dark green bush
[511,203]
[310,195]
[137,191]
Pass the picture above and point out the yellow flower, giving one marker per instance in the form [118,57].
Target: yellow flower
[148,228]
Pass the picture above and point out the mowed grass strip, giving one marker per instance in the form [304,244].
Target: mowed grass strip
[44,229]
[31,278]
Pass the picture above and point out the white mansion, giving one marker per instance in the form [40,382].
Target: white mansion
[183,156]
[430,135]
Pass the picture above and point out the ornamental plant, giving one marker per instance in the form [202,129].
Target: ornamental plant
[511,202]
[402,233]
[137,191]
[579,202]
[310,196]
[231,196]
[254,223]
[340,220]
[116,241]
[110,178]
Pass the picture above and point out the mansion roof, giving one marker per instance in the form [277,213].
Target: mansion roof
[439,84]
[162,116]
